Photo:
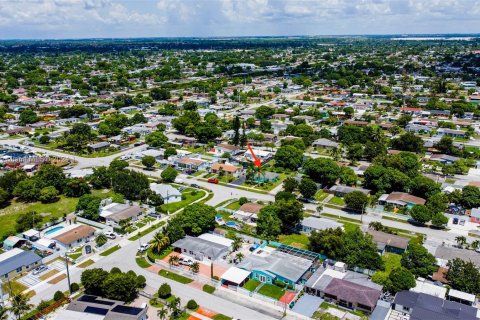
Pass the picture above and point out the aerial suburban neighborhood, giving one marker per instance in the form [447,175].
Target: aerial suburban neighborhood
[240,178]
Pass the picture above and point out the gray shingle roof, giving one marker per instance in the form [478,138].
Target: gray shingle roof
[24,258]
[278,263]
[430,307]
[208,248]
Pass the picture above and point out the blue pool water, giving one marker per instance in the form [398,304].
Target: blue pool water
[53,230]
[231,224]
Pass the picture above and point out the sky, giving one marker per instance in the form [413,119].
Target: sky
[58,19]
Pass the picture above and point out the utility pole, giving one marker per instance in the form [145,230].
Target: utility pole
[68,274]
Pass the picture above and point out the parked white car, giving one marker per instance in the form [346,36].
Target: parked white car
[110,235]
[185,261]
[144,247]
[40,269]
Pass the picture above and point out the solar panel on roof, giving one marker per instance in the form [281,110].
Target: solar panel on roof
[298,252]
[95,310]
[127,310]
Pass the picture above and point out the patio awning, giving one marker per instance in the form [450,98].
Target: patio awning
[235,275]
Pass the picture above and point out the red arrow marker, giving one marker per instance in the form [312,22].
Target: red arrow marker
[256,161]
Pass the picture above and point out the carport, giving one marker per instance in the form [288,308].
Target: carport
[235,277]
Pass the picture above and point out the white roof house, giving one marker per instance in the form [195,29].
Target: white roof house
[235,275]
[216,239]
[429,288]
[167,192]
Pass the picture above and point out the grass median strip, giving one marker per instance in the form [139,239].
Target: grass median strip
[48,274]
[86,263]
[174,276]
[208,288]
[57,279]
[142,263]
[110,251]
[147,231]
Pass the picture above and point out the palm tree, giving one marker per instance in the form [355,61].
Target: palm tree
[195,267]
[4,314]
[236,244]
[159,242]
[101,239]
[20,304]
[173,260]
[239,257]
[475,244]
[174,307]
[461,240]
[162,313]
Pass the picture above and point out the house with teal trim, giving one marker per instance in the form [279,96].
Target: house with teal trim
[277,266]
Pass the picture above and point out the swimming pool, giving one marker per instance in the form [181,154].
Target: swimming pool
[231,224]
[55,229]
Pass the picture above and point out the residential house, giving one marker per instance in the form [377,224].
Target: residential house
[356,123]
[342,190]
[475,215]
[248,212]
[73,235]
[235,277]
[387,242]
[226,148]
[400,199]
[348,289]
[266,177]
[411,111]
[271,266]
[451,133]
[228,169]
[88,307]
[443,254]
[204,247]
[168,193]
[17,261]
[418,128]
[324,143]
[310,224]
[263,155]
[194,164]
[114,212]
[13,242]
[443,158]
[421,306]
[94,147]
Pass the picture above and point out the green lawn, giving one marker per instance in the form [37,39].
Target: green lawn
[174,276]
[208,288]
[295,240]
[10,214]
[234,206]
[86,263]
[337,201]
[110,251]
[320,195]
[172,207]
[147,231]
[142,263]
[251,285]
[272,291]
[391,261]
[220,316]
[348,226]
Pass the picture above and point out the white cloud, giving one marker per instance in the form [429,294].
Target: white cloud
[42,18]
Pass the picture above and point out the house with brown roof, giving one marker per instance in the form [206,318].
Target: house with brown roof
[115,212]
[75,236]
[400,199]
[248,212]
[387,242]
[352,290]
[187,163]
[223,148]
[228,169]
